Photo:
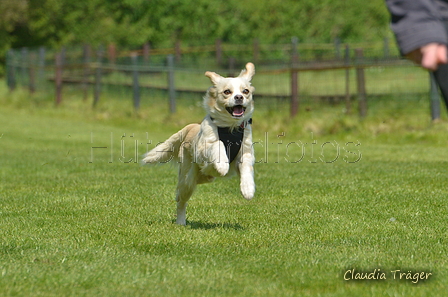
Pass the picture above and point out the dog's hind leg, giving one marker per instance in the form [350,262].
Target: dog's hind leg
[186,185]
[183,195]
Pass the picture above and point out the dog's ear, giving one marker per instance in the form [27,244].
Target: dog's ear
[248,72]
[214,77]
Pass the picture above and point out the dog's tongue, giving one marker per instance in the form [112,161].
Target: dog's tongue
[238,111]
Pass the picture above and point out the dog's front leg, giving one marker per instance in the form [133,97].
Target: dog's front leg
[218,157]
[246,170]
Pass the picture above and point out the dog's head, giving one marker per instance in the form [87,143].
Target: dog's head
[230,100]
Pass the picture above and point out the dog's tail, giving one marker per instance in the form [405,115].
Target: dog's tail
[170,150]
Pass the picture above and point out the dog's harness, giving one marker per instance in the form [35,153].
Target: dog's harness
[232,139]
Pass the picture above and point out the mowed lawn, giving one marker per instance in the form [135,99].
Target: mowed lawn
[79,216]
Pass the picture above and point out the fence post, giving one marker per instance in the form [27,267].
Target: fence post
[32,72]
[337,48]
[256,50]
[294,77]
[58,77]
[10,68]
[98,74]
[87,52]
[24,64]
[41,71]
[171,87]
[361,83]
[231,72]
[348,104]
[146,52]
[63,55]
[434,97]
[112,53]
[178,51]
[135,83]
[218,49]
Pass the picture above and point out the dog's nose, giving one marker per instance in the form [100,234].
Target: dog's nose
[238,99]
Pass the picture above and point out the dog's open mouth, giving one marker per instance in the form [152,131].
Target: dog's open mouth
[236,111]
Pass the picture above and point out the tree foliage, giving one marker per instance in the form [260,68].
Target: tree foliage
[55,23]
[13,16]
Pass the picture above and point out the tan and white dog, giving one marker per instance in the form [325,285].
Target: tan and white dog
[220,146]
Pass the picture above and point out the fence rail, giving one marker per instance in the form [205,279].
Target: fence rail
[325,72]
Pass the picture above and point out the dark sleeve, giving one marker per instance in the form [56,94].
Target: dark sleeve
[417,22]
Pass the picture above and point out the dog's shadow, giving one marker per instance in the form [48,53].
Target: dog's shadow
[199,225]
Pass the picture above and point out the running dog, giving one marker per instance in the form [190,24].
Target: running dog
[220,146]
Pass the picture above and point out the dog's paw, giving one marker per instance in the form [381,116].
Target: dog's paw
[181,221]
[181,213]
[222,168]
[248,189]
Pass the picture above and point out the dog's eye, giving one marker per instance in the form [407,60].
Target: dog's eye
[227,92]
[245,91]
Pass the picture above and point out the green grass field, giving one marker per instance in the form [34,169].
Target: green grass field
[80,218]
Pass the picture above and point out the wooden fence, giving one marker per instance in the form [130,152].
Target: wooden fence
[86,68]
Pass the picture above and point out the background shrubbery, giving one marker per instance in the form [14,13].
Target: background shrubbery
[55,23]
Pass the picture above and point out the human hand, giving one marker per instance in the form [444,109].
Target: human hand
[429,56]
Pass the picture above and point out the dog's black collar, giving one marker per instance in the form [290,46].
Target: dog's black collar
[232,139]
